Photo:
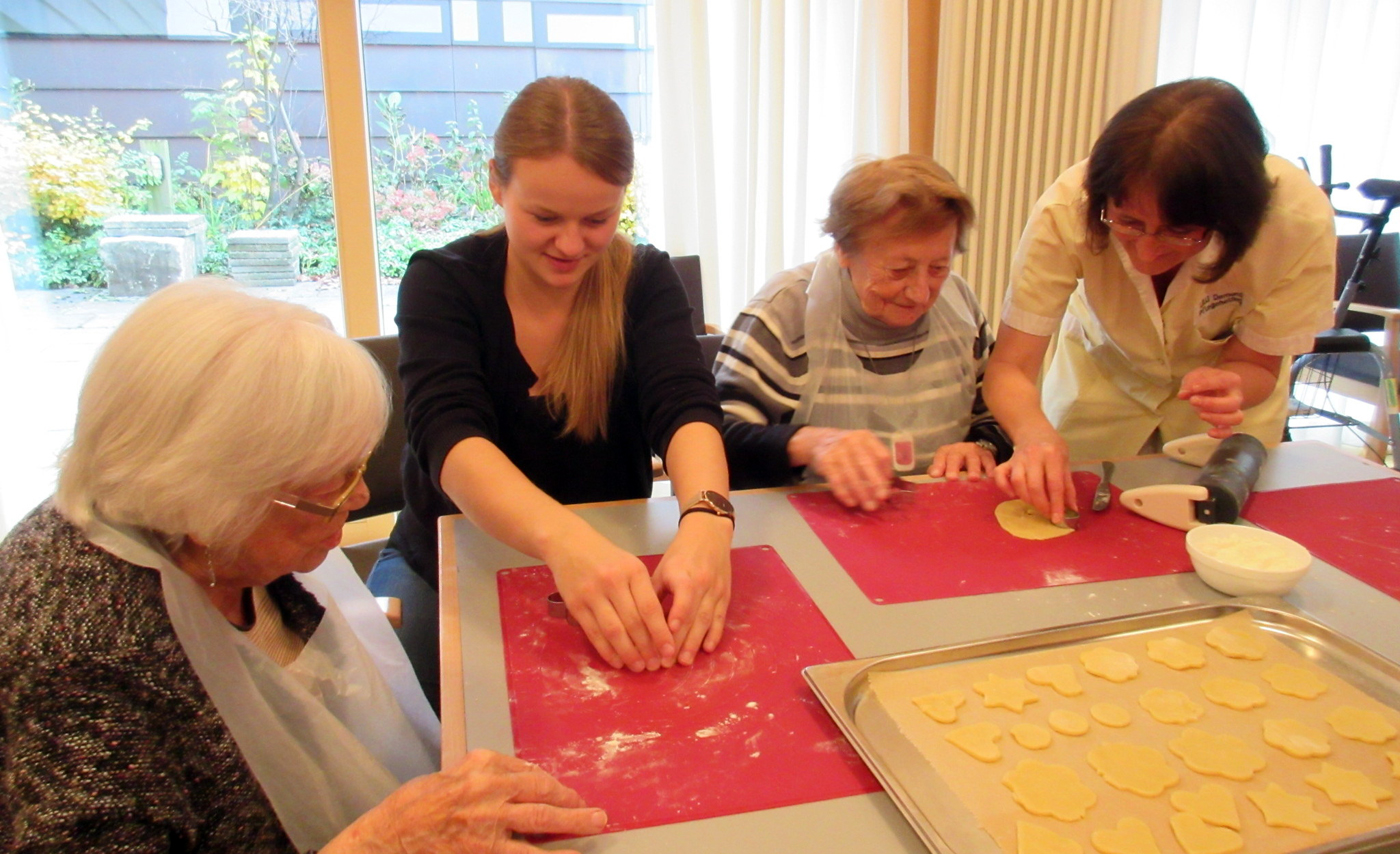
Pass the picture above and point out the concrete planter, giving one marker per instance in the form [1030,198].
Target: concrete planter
[265,257]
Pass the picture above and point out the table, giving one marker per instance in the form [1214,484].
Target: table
[475,706]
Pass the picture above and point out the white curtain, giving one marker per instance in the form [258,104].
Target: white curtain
[1316,71]
[762,106]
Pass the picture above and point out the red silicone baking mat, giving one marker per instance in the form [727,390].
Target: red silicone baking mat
[737,731]
[944,541]
[1353,526]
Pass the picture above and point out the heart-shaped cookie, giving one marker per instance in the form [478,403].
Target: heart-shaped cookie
[1034,839]
[1213,804]
[1197,837]
[1132,836]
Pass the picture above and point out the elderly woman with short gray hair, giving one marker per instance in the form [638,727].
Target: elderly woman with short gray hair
[167,683]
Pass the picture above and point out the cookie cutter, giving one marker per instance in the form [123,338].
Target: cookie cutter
[554,602]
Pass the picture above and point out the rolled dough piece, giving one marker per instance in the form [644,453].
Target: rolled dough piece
[1131,836]
[1067,722]
[1281,809]
[1020,519]
[1213,804]
[1348,787]
[1049,790]
[1197,837]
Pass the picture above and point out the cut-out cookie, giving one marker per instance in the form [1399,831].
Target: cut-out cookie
[1170,707]
[1234,694]
[1110,714]
[1049,790]
[1132,836]
[1213,804]
[1348,787]
[998,692]
[1109,664]
[941,707]
[1296,738]
[1031,736]
[1197,837]
[1067,722]
[978,740]
[1294,681]
[1391,755]
[1134,768]
[1216,755]
[1176,653]
[1061,677]
[1034,839]
[1020,519]
[1361,725]
[1236,643]
[1281,809]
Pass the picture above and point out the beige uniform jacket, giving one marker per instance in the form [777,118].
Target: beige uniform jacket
[1120,359]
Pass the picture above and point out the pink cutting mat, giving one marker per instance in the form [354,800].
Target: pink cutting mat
[737,731]
[944,541]
[1353,526]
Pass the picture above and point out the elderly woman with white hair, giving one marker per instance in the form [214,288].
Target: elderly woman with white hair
[167,683]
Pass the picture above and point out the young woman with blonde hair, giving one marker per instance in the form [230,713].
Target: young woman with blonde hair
[543,363]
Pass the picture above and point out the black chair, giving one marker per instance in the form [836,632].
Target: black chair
[1377,298]
[383,475]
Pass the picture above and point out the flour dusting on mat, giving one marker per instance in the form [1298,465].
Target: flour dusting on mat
[621,742]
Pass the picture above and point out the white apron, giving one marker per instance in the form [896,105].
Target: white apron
[329,736]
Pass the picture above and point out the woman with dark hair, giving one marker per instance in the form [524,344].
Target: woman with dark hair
[1181,264]
[543,363]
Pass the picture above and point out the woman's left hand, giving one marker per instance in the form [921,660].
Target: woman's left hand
[949,460]
[695,571]
[1217,396]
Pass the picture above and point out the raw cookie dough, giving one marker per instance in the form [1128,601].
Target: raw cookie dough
[1034,839]
[1213,804]
[1110,714]
[1049,790]
[1216,755]
[1296,738]
[1170,707]
[1294,681]
[1197,837]
[1391,755]
[1134,768]
[1061,677]
[1132,836]
[1281,809]
[1361,725]
[1005,693]
[1109,664]
[1020,519]
[941,707]
[1176,653]
[978,740]
[1031,736]
[1234,694]
[1348,787]
[1236,643]
[1067,722]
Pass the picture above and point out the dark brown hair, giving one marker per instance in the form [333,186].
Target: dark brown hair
[1198,144]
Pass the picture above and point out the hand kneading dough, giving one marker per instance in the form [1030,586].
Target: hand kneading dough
[1132,836]
[1020,519]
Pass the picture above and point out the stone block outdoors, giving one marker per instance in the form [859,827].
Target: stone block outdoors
[146,252]
[265,257]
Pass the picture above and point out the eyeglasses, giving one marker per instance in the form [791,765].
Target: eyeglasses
[328,511]
[1180,240]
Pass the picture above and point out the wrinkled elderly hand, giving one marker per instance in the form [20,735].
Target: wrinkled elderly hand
[857,466]
[1217,396]
[472,808]
[609,592]
[695,572]
[949,460]
[1038,473]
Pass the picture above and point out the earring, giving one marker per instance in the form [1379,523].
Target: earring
[209,562]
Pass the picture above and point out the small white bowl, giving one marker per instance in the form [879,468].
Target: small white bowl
[1244,561]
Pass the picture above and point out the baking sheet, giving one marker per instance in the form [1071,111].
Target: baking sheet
[948,826]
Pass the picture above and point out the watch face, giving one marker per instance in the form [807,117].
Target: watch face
[718,500]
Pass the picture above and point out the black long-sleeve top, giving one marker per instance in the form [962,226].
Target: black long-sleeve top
[463,376]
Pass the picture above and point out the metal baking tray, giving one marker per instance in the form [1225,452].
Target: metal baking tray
[924,797]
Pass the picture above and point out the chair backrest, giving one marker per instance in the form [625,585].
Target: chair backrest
[709,348]
[688,268]
[384,475]
[1380,283]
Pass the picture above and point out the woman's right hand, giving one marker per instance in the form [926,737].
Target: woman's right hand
[475,807]
[855,464]
[610,593]
[1039,474]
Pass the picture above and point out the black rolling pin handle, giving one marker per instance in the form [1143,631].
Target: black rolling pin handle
[1228,476]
